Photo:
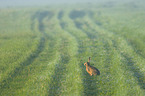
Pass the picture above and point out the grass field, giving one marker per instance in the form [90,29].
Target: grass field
[42,50]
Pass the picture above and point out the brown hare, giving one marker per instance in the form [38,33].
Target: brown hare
[90,69]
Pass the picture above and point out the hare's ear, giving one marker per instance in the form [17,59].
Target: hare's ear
[89,59]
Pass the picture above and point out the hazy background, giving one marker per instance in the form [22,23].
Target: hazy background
[13,3]
[8,3]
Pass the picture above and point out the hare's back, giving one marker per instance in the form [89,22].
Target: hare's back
[96,71]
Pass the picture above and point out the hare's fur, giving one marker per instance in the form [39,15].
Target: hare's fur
[90,69]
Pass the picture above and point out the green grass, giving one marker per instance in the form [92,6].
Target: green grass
[42,50]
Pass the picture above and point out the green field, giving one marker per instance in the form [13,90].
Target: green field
[43,49]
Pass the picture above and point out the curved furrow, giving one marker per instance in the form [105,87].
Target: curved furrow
[48,61]
[60,69]
[125,53]
[27,62]
[84,52]
[67,75]
[22,73]
[133,61]
[96,50]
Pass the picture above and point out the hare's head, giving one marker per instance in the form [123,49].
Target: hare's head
[87,63]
